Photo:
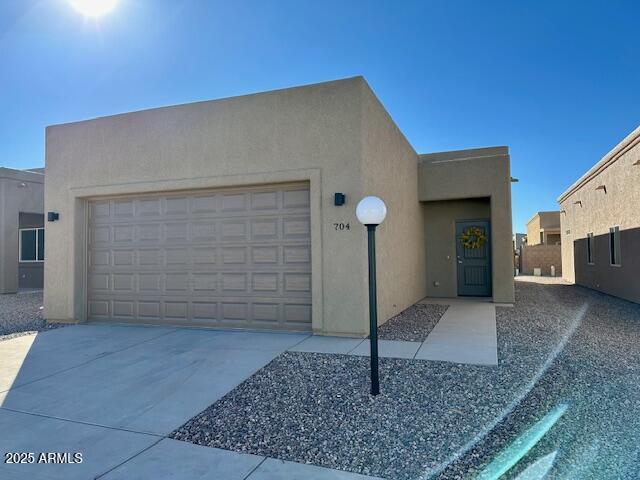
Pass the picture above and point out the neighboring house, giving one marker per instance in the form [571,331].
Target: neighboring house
[21,229]
[224,213]
[519,240]
[542,254]
[600,215]
[544,229]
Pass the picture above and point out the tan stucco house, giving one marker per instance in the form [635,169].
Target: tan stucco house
[21,229]
[224,213]
[541,254]
[600,217]
[544,229]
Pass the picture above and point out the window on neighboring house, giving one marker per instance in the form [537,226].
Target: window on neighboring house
[541,238]
[31,244]
[614,245]
[590,248]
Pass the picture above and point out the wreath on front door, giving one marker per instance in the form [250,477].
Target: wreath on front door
[473,237]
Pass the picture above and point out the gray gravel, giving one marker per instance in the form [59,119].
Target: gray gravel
[413,324]
[597,374]
[20,314]
[315,408]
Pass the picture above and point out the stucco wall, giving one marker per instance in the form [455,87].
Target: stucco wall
[542,257]
[390,172]
[19,192]
[586,209]
[440,240]
[546,222]
[309,133]
[334,135]
[477,173]
[533,230]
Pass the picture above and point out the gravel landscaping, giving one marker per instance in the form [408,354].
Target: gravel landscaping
[596,374]
[447,420]
[413,324]
[21,314]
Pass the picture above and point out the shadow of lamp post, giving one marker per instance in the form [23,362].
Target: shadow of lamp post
[371,212]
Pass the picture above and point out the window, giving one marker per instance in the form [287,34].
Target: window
[590,249]
[614,245]
[541,238]
[31,245]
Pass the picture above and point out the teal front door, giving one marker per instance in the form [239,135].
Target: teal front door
[473,256]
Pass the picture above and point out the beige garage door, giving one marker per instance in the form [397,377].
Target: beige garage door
[228,258]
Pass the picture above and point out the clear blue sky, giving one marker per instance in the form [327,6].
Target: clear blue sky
[556,81]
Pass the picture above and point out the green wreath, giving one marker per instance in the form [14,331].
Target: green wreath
[473,237]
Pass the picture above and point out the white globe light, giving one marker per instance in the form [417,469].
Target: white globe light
[371,211]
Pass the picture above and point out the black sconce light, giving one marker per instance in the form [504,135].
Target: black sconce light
[339,199]
[53,216]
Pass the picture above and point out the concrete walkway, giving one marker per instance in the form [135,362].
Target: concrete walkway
[114,393]
[466,333]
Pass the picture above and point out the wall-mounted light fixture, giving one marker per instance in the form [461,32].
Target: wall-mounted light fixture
[578,202]
[637,162]
[602,187]
[53,216]
[563,211]
[22,185]
[514,180]
[339,199]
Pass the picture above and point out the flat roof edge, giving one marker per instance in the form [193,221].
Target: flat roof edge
[354,78]
[604,162]
[14,173]
[466,154]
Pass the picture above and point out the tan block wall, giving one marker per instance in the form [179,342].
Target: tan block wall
[542,256]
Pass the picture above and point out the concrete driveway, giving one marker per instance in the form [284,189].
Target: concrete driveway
[113,393]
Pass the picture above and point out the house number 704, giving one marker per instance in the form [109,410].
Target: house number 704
[342,226]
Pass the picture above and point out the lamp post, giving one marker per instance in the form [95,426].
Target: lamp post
[371,212]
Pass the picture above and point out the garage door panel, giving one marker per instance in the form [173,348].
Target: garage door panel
[296,199]
[147,233]
[175,205]
[238,259]
[296,228]
[265,200]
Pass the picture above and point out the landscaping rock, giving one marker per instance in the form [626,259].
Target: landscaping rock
[558,344]
[21,314]
[412,325]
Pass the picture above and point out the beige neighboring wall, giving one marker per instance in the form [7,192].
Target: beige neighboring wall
[20,191]
[587,208]
[473,174]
